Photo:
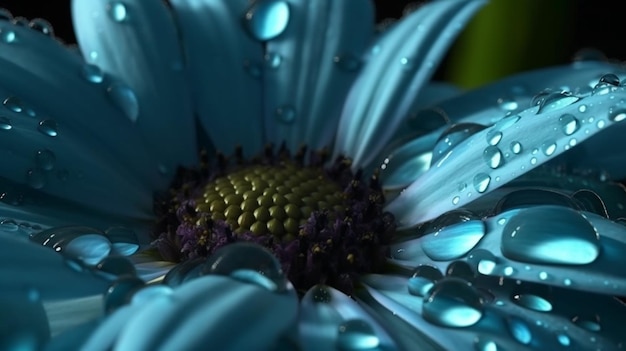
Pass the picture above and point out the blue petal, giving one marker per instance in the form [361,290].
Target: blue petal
[137,42]
[385,91]
[226,63]
[321,51]
[211,310]
[83,160]
[478,165]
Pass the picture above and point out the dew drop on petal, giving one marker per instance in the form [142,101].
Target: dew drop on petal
[116,265]
[48,127]
[8,36]
[92,73]
[124,98]
[507,104]
[550,234]
[423,279]
[240,260]
[563,339]
[272,60]
[5,123]
[8,225]
[493,157]
[481,182]
[117,11]
[452,302]
[519,330]
[5,15]
[569,124]
[533,302]
[548,148]
[587,324]
[13,103]
[90,248]
[121,292]
[45,159]
[516,147]
[555,101]
[267,19]
[320,294]
[356,334]
[494,136]
[42,26]
[610,78]
[460,269]
[617,114]
[481,344]
[453,241]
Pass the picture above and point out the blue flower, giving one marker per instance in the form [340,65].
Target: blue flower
[477,229]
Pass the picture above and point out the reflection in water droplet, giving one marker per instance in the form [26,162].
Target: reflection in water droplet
[481,182]
[356,334]
[117,11]
[267,19]
[48,127]
[555,101]
[452,302]
[493,157]
[550,234]
[532,302]
[125,99]
[569,124]
[493,137]
[548,148]
[92,73]
[5,123]
[516,147]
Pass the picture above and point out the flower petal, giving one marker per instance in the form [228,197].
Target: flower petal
[137,42]
[480,164]
[320,52]
[405,58]
[210,310]
[72,164]
[226,64]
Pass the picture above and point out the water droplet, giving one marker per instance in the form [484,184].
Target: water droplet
[241,259]
[116,265]
[92,73]
[493,157]
[563,339]
[320,294]
[455,200]
[5,123]
[8,225]
[406,63]
[516,147]
[347,62]
[453,241]
[422,280]
[494,136]
[48,127]
[267,19]
[124,97]
[520,330]
[272,60]
[117,11]
[569,124]
[8,36]
[481,182]
[5,15]
[550,234]
[121,292]
[13,103]
[481,344]
[452,137]
[484,261]
[508,271]
[590,324]
[555,101]
[533,302]
[548,148]
[460,269]
[567,282]
[45,159]
[617,114]
[35,178]
[507,104]
[85,244]
[610,78]
[582,108]
[286,114]
[185,271]
[452,302]
[42,26]
[356,334]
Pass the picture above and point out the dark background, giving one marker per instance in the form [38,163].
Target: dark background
[543,32]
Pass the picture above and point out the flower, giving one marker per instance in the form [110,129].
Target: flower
[500,232]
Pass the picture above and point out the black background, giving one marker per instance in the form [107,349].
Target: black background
[588,23]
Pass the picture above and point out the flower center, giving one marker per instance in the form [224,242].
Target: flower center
[324,224]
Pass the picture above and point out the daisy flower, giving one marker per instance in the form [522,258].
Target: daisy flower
[275,175]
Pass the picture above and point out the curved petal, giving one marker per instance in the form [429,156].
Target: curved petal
[320,52]
[226,65]
[137,42]
[482,163]
[405,58]
[117,177]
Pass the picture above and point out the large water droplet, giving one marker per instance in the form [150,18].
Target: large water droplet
[493,157]
[550,234]
[423,279]
[610,78]
[356,334]
[453,241]
[88,245]
[241,260]
[569,124]
[92,73]
[5,123]
[48,127]
[45,159]
[481,182]
[267,19]
[555,101]
[493,137]
[121,292]
[285,114]
[452,302]
[117,11]
[533,302]
[124,97]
